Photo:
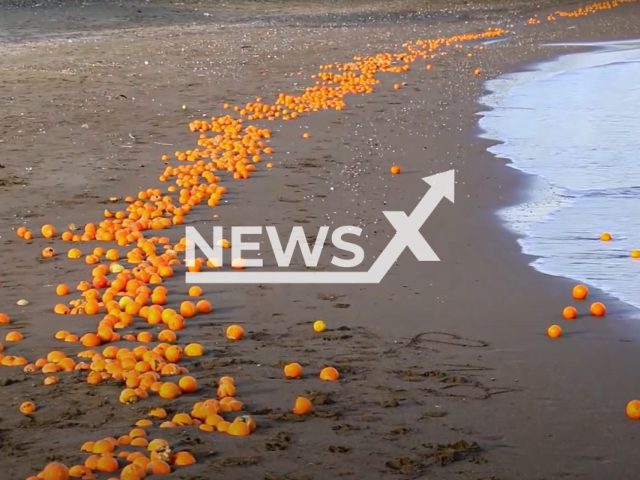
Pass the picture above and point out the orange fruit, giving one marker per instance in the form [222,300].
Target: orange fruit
[238,263]
[580,292]
[203,306]
[107,463]
[103,446]
[13,337]
[293,370]
[158,467]
[597,309]
[223,426]
[188,384]
[183,459]
[158,413]
[235,332]
[301,406]
[173,353]
[187,309]
[238,429]
[554,331]
[633,409]
[48,231]
[605,237]
[329,373]
[169,390]
[226,390]
[27,407]
[395,169]
[195,291]
[570,313]
[55,471]
[194,350]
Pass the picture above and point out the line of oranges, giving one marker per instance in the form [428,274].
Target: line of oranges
[126,295]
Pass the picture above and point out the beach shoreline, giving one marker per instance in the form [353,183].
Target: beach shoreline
[537,408]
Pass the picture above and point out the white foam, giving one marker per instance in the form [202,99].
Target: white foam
[574,123]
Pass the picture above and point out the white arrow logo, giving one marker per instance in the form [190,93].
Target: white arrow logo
[407,236]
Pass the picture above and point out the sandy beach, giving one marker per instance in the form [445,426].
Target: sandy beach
[446,370]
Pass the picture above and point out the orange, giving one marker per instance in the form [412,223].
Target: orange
[329,373]
[13,337]
[48,231]
[173,353]
[554,331]
[103,446]
[570,313]
[214,420]
[223,426]
[605,237]
[90,340]
[633,409]
[235,332]
[158,467]
[187,309]
[238,429]
[169,390]
[188,384]
[194,350]
[203,306]
[301,406]
[107,463]
[395,169]
[27,407]
[226,390]
[293,370]
[597,309]
[128,395]
[195,291]
[238,263]
[55,471]
[580,292]
[183,459]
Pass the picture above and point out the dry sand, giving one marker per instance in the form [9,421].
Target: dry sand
[447,371]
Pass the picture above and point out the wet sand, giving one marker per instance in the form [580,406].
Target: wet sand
[438,353]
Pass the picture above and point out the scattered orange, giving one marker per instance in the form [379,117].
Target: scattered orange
[597,309]
[329,373]
[293,370]
[235,332]
[570,313]
[302,406]
[633,409]
[188,384]
[580,292]
[554,331]
[27,407]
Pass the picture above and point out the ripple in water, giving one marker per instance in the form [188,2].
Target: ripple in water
[575,123]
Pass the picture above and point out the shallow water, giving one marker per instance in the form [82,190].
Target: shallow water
[574,123]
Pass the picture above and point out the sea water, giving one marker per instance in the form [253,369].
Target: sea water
[574,123]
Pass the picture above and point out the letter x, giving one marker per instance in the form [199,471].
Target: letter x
[408,233]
